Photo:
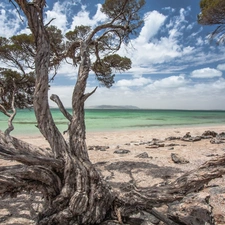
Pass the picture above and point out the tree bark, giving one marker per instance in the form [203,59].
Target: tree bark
[79,195]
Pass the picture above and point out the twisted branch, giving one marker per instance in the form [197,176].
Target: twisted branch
[192,181]
[29,160]
[17,178]
[56,99]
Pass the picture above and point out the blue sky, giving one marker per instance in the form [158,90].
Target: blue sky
[174,65]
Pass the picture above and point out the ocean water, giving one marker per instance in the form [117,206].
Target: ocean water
[120,119]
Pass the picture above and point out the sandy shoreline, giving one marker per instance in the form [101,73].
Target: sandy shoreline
[114,166]
[121,136]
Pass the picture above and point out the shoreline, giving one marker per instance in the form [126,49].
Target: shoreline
[116,137]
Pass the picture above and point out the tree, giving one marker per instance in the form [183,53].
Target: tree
[213,13]
[73,189]
[71,185]
[16,86]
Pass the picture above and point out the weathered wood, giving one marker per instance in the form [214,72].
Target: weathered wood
[81,196]
[22,147]
[57,100]
[192,181]
[17,178]
[29,159]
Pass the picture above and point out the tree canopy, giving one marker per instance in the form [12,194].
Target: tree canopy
[73,189]
[17,77]
[18,86]
[213,13]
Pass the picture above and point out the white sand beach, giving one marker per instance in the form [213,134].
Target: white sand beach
[196,152]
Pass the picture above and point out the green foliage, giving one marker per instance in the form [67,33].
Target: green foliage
[125,13]
[79,33]
[102,41]
[212,12]
[57,47]
[18,51]
[20,86]
[56,40]
[104,68]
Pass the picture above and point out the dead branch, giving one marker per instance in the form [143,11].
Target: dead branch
[15,179]
[161,217]
[13,114]
[56,99]
[192,181]
[23,147]
[29,160]
[4,111]
[86,96]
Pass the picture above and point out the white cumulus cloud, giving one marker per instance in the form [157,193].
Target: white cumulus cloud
[83,18]
[59,16]
[221,67]
[10,22]
[160,41]
[206,73]
[152,23]
[170,82]
[138,82]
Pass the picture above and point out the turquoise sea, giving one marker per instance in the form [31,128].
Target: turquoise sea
[120,119]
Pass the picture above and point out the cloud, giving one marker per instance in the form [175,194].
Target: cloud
[199,41]
[58,14]
[10,22]
[169,9]
[152,23]
[137,82]
[221,67]
[83,17]
[190,26]
[206,73]
[170,82]
[159,42]
[172,93]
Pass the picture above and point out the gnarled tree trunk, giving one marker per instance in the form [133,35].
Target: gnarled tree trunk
[72,187]
[83,197]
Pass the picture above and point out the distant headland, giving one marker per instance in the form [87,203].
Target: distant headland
[112,107]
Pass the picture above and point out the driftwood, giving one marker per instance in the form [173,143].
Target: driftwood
[192,181]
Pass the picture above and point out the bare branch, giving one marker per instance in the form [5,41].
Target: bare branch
[111,48]
[56,99]
[12,116]
[16,9]
[161,217]
[49,22]
[86,96]
[4,111]
[189,182]
[15,179]
[102,27]
[29,159]
[23,147]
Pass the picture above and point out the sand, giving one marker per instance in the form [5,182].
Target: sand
[157,168]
